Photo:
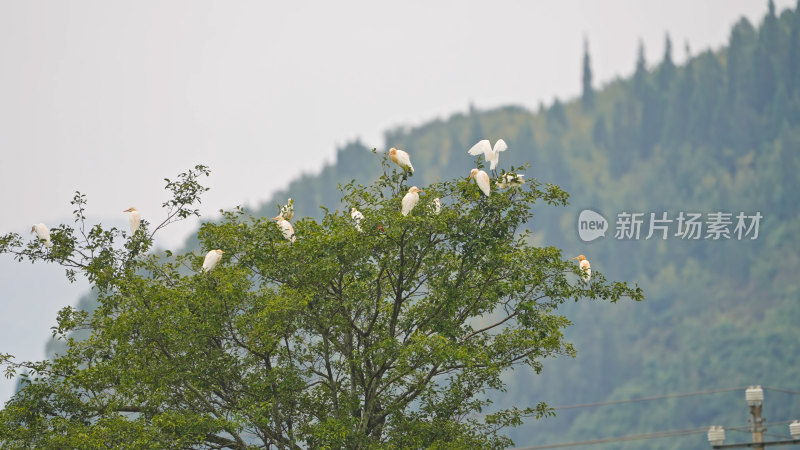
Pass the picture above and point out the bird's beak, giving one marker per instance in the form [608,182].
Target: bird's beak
[421,192]
[274,218]
[469,177]
[575,257]
[33,229]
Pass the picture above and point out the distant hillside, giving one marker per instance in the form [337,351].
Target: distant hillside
[719,134]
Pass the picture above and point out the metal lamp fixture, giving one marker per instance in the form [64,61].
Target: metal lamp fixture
[716,435]
[754,395]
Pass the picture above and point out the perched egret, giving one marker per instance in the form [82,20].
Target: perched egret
[585,267]
[482,180]
[135,218]
[437,206]
[286,227]
[357,217]
[410,200]
[287,210]
[212,259]
[491,155]
[401,158]
[43,233]
[510,179]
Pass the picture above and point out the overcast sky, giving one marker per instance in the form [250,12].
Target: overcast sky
[109,98]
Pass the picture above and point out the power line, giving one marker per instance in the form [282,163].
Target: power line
[633,437]
[642,437]
[779,436]
[786,391]
[644,399]
[661,397]
[655,435]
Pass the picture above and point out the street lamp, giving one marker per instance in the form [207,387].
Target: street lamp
[716,435]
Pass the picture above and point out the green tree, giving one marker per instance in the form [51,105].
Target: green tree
[623,140]
[792,74]
[741,130]
[766,78]
[640,74]
[388,336]
[556,118]
[600,133]
[666,71]
[678,123]
[587,98]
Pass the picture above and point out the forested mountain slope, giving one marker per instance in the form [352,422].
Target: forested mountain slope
[718,134]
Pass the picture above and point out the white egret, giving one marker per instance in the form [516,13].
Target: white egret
[357,218]
[437,206]
[135,218]
[482,180]
[492,155]
[410,200]
[286,228]
[401,158]
[510,179]
[585,267]
[212,259]
[43,233]
[287,210]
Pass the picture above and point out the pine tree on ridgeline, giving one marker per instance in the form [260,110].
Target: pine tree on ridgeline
[666,72]
[640,75]
[587,99]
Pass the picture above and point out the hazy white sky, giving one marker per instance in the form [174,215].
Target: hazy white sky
[111,97]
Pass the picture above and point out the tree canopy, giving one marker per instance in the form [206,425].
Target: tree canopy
[387,336]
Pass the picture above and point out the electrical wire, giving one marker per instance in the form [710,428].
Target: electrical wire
[646,436]
[660,434]
[632,437]
[786,391]
[661,397]
[644,399]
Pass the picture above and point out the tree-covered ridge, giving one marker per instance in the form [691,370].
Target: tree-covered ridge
[718,133]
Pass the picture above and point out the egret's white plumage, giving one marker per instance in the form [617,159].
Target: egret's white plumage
[586,268]
[212,259]
[510,179]
[492,155]
[134,218]
[357,217]
[437,206]
[401,158]
[410,200]
[43,233]
[482,180]
[286,228]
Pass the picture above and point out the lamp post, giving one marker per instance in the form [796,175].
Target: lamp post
[754,396]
